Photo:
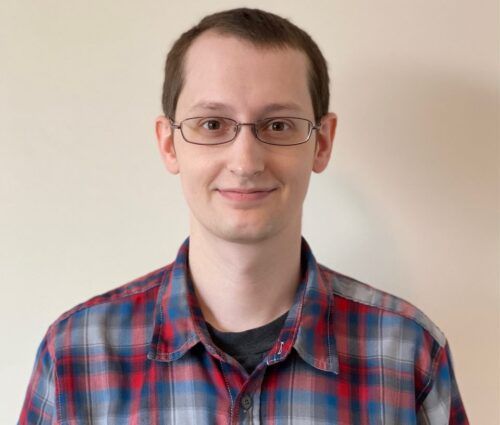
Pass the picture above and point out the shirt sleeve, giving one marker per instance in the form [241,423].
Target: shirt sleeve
[40,402]
[442,404]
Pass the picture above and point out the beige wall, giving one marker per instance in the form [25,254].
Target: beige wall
[410,203]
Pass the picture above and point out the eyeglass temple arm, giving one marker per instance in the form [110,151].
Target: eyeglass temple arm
[173,123]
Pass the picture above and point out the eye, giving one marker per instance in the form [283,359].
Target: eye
[277,125]
[211,124]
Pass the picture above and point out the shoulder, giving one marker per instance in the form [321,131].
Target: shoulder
[361,293]
[139,286]
[126,306]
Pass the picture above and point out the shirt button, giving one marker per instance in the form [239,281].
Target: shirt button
[246,402]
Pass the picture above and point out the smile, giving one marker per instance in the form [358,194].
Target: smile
[244,194]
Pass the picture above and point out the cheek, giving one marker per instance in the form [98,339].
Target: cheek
[298,165]
[296,177]
[304,169]
[196,176]
[192,184]
[302,185]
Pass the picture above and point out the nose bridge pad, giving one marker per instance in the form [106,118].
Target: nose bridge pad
[252,128]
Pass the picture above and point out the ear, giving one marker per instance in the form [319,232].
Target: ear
[324,142]
[165,138]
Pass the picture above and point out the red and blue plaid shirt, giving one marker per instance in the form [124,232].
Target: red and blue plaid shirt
[141,354]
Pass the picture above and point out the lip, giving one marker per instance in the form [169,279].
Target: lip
[237,194]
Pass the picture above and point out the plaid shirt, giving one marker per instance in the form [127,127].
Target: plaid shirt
[141,354]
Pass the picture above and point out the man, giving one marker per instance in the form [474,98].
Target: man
[244,326]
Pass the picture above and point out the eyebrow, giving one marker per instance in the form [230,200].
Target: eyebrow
[269,108]
[211,106]
[278,107]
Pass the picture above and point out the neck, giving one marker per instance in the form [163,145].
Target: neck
[243,286]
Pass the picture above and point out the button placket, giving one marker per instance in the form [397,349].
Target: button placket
[252,391]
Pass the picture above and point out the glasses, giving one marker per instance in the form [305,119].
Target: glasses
[280,131]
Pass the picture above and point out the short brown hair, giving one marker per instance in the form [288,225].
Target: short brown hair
[263,29]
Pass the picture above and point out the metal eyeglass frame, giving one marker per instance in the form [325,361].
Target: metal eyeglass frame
[238,125]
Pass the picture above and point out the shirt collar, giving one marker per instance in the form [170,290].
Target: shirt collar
[308,328]
[309,325]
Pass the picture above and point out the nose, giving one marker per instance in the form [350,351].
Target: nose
[246,158]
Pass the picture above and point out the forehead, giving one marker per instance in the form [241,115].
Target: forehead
[228,70]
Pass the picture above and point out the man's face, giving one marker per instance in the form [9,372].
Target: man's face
[244,191]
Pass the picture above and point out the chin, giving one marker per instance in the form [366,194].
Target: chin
[245,234]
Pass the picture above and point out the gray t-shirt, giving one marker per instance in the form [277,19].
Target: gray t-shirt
[251,346]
